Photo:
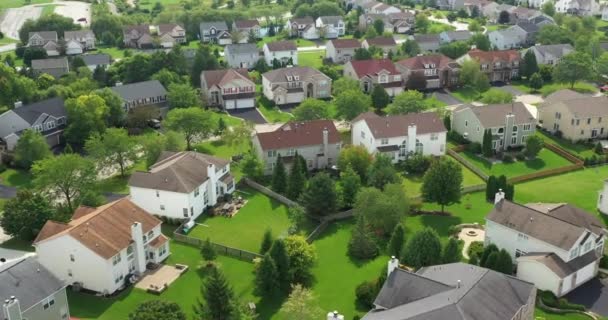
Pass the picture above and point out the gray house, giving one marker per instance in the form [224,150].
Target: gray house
[427,42]
[92,61]
[244,55]
[456,291]
[452,36]
[47,40]
[550,54]
[511,123]
[215,32]
[29,291]
[49,117]
[143,93]
[56,67]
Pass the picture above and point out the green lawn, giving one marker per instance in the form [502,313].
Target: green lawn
[465,94]
[549,88]
[542,315]
[16,178]
[546,159]
[48,9]
[312,59]
[7,40]
[434,103]
[272,113]
[495,27]
[17,244]
[578,149]
[114,52]
[4,4]
[299,42]
[119,184]
[246,229]
[18,61]
[412,183]
[438,27]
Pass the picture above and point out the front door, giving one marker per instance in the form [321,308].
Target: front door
[150,255]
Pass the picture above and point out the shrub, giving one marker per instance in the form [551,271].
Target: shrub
[604,262]
[475,249]
[417,164]
[457,138]
[2,167]
[520,156]
[550,300]
[474,148]
[506,158]
[366,293]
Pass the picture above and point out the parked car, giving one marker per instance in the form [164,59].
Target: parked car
[154,123]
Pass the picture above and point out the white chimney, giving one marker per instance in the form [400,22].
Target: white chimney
[325,142]
[118,84]
[411,138]
[213,180]
[12,309]
[139,252]
[393,264]
[499,196]
[18,104]
[334,315]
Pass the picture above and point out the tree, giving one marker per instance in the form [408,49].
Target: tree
[25,215]
[345,84]
[279,177]
[481,41]
[442,182]
[379,26]
[203,60]
[113,147]
[529,65]
[472,77]
[475,26]
[302,257]
[410,48]
[503,263]
[266,280]
[491,188]
[301,305]
[451,252]
[87,115]
[455,49]
[311,109]
[487,251]
[352,103]
[251,166]
[553,34]
[115,116]
[266,241]
[362,245]
[183,96]
[416,81]
[573,67]
[350,183]
[409,101]
[296,181]
[238,136]
[548,8]
[423,249]
[157,309]
[504,17]
[362,53]
[546,72]
[496,96]
[167,77]
[536,81]
[67,176]
[357,158]
[395,245]
[33,53]
[320,197]
[191,122]
[533,146]
[382,172]
[208,251]
[486,145]
[279,255]
[380,98]
[422,23]
[218,298]
[383,209]
[30,148]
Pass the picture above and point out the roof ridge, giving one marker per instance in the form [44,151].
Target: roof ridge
[545,214]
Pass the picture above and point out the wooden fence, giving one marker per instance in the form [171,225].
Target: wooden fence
[468,165]
[562,152]
[282,199]
[219,248]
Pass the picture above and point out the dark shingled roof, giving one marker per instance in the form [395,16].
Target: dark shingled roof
[345,43]
[396,126]
[96,59]
[381,41]
[138,90]
[494,115]
[31,112]
[298,134]
[282,46]
[280,75]
[28,281]
[243,24]
[50,63]
[558,266]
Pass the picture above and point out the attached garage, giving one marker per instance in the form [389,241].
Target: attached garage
[239,104]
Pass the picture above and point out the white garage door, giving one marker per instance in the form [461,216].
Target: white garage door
[229,104]
[244,103]
[585,273]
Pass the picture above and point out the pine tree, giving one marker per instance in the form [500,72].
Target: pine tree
[423,249]
[362,244]
[502,183]
[504,263]
[451,252]
[529,64]
[491,188]
[350,183]
[266,242]
[303,165]
[509,192]
[218,298]
[447,122]
[380,98]
[296,181]
[278,252]
[486,146]
[486,253]
[266,279]
[395,245]
[492,261]
[207,251]
[279,177]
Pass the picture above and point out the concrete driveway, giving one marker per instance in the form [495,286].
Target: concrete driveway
[510,89]
[251,114]
[593,295]
[446,98]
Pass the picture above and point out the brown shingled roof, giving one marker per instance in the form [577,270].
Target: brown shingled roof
[381,41]
[282,46]
[220,77]
[345,43]
[493,115]
[440,61]
[298,134]
[494,56]
[372,67]
[243,24]
[396,126]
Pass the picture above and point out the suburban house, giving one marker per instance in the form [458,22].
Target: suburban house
[215,32]
[510,38]
[550,54]
[375,72]
[283,51]
[605,12]
[367,20]
[427,42]
[331,27]
[399,22]
[242,55]
[139,94]
[287,86]
[530,30]
[317,141]
[302,28]
[341,50]
[387,44]
[499,66]
[400,136]
[602,199]
[452,36]
[578,7]
[510,123]
[49,117]
[56,67]
[47,40]
[382,8]
[577,116]
[181,185]
[146,36]
[92,61]
[29,291]
[81,40]
[99,247]
[247,27]
[228,88]
[456,291]
[557,246]
[438,70]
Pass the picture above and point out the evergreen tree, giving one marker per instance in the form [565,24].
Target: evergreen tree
[303,165]
[491,188]
[447,122]
[380,98]
[297,180]
[474,260]
[510,192]
[382,172]
[320,197]
[529,64]
[218,298]
[486,146]
[208,251]
[266,279]
[536,81]
[486,253]
[451,252]
[279,255]
[504,263]
[395,245]
[350,184]
[279,177]
[362,244]
[492,261]
[502,183]
[423,249]
[266,241]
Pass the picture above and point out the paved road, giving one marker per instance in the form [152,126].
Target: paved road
[8,47]
[445,97]
[510,89]
[252,114]
[593,295]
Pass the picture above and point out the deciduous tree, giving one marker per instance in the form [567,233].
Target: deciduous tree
[382,172]
[87,114]
[350,184]
[30,148]
[357,158]
[536,81]
[191,122]
[442,182]
[410,48]
[423,249]
[409,101]
[302,257]
[112,148]
[352,103]
[25,215]
[416,81]
[572,68]
[533,146]
[383,209]
[183,96]
[311,109]
[301,305]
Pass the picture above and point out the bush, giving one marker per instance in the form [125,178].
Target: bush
[457,138]
[366,294]
[520,156]
[417,164]
[604,262]
[506,158]
[474,148]
[550,300]
[2,167]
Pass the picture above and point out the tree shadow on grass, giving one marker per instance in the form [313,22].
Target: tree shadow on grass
[535,164]
[441,224]
[86,305]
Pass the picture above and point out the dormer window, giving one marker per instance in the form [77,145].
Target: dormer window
[383,78]
[289,78]
[296,78]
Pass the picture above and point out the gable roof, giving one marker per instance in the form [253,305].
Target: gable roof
[440,61]
[345,43]
[28,281]
[105,230]
[426,38]
[381,41]
[167,27]
[221,77]
[396,126]
[528,27]
[459,35]
[96,59]
[284,45]
[280,75]
[456,291]
[556,50]
[245,24]
[558,266]
[372,67]
[302,20]
[177,172]
[562,95]
[218,25]
[67,35]
[51,63]
[45,35]
[494,56]
[586,106]
[493,115]
[138,90]
[298,134]
[242,48]
[331,19]
[31,112]
[560,225]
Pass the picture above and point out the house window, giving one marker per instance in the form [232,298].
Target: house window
[514,128]
[130,252]
[523,139]
[384,141]
[578,122]
[587,246]
[501,130]
[434,136]
[48,303]
[191,211]
[582,132]
[519,253]
[291,152]
[157,194]
[162,207]
[588,120]
[574,253]
[363,134]
[383,78]
[196,192]
[521,236]
[477,128]
[70,273]
[150,234]
[466,123]
[513,140]
[272,153]
[527,127]
[310,163]
[116,259]
[205,197]
[572,122]
[72,258]
[419,146]
[599,120]
[185,212]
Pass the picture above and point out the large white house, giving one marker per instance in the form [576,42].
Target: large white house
[180,185]
[557,247]
[285,52]
[100,247]
[401,135]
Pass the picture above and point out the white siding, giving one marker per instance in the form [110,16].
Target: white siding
[537,273]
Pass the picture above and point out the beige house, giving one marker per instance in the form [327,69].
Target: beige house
[229,88]
[292,85]
[575,115]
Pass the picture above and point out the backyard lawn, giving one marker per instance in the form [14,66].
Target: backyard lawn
[542,315]
[272,113]
[4,4]
[246,229]
[119,184]
[578,149]
[412,183]
[549,88]
[438,27]
[313,59]
[546,159]
[16,178]
[465,94]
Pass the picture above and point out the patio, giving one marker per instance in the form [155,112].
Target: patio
[229,208]
[156,281]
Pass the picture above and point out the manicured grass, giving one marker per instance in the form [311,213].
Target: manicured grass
[16,178]
[578,149]
[542,315]
[437,27]
[312,59]
[413,183]
[434,103]
[4,4]
[465,94]
[48,9]
[17,244]
[495,27]
[18,61]
[246,229]
[546,159]
[272,113]
[549,88]
[7,40]
[119,184]
[299,42]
